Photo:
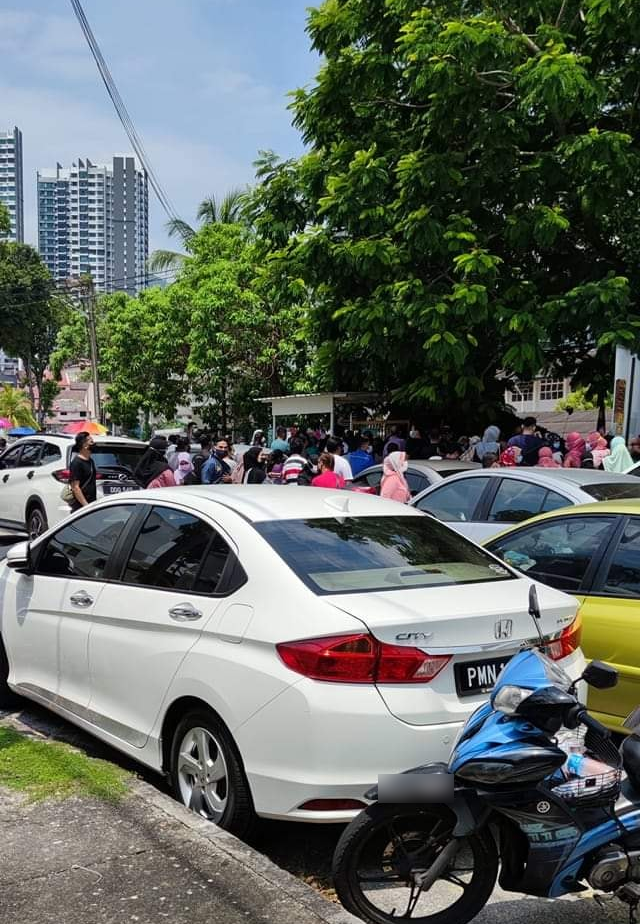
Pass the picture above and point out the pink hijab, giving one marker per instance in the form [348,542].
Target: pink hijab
[545,458]
[576,447]
[394,485]
[599,450]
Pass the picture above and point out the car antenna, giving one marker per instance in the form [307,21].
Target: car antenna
[534,612]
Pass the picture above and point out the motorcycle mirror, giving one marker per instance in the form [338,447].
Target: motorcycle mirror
[600,676]
[534,611]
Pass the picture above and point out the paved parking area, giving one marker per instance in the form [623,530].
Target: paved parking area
[306,850]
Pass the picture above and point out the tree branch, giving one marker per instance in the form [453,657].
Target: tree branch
[513,27]
[395,102]
[561,13]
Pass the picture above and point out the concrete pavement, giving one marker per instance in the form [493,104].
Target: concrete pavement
[147,859]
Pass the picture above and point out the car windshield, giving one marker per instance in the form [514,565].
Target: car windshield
[112,455]
[612,490]
[359,554]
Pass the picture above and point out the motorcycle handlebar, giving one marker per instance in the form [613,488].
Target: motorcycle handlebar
[594,725]
[578,715]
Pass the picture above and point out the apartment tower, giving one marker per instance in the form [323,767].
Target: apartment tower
[94,219]
[11,188]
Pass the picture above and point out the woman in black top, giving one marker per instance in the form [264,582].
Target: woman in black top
[82,478]
[254,472]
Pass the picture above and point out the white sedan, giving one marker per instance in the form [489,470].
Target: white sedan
[481,504]
[271,650]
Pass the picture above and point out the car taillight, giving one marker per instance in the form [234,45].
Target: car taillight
[567,642]
[62,474]
[360,659]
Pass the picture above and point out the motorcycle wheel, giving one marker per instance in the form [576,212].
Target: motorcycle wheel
[383,848]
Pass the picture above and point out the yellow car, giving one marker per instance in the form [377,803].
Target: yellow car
[593,552]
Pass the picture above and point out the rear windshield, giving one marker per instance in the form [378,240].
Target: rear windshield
[358,554]
[612,490]
[113,456]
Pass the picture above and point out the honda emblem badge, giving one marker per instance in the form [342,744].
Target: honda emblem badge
[504,628]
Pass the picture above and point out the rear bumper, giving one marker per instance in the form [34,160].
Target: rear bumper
[331,741]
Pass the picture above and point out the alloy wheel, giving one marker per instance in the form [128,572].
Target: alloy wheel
[37,523]
[203,777]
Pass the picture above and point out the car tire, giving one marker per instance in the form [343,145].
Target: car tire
[207,776]
[8,699]
[37,522]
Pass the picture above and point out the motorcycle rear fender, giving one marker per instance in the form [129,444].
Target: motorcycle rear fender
[470,811]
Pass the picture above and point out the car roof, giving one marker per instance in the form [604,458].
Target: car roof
[260,503]
[577,476]
[597,508]
[67,437]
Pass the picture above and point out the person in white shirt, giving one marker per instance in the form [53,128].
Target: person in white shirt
[341,466]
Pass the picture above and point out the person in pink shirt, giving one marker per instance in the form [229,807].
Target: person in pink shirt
[327,477]
[165,479]
[394,485]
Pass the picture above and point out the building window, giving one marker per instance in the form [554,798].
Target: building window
[522,391]
[551,389]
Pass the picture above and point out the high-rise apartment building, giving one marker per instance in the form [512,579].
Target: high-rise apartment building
[11,189]
[94,218]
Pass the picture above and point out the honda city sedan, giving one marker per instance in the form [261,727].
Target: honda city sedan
[271,651]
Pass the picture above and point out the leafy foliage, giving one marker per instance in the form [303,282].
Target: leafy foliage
[468,200]
[16,407]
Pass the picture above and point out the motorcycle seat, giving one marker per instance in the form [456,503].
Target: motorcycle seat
[631,760]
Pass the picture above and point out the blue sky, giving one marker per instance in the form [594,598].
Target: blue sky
[205,82]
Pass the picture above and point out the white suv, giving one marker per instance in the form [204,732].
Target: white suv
[33,471]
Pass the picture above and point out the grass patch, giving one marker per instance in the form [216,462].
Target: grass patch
[51,770]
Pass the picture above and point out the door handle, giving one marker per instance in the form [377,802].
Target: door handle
[6,478]
[30,474]
[184,612]
[81,598]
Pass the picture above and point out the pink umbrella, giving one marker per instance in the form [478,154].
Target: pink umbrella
[5,424]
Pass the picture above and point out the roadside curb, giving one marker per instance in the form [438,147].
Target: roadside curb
[215,838]
[252,859]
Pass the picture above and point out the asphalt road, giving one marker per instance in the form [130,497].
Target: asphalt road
[306,850]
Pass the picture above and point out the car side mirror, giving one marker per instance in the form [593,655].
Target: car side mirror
[19,558]
[600,676]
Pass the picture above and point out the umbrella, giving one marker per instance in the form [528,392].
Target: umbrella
[5,423]
[85,426]
[22,431]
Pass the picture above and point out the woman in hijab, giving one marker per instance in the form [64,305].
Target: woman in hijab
[394,485]
[253,465]
[470,452]
[545,458]
[185,467]
[576,448]
[153,463]
[488,443]
[599,449]
[620,458]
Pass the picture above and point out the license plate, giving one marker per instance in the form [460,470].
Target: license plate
[118,488]
[474,677]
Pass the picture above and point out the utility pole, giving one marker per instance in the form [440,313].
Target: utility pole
[87,298]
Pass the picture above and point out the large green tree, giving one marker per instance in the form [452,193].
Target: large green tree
[30,311]
[142,354]
[242,342]
[469,199]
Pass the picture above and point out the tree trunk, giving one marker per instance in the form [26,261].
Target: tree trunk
[602,414]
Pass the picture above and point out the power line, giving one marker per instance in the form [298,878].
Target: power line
[121,110]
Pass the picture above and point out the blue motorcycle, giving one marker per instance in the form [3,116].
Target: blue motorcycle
[516,804]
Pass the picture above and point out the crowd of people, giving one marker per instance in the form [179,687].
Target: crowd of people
[317,458]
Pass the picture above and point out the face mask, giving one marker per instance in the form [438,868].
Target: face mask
[92,447]
[413,434]
[221,453]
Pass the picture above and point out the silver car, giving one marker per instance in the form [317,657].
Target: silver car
[482,503]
